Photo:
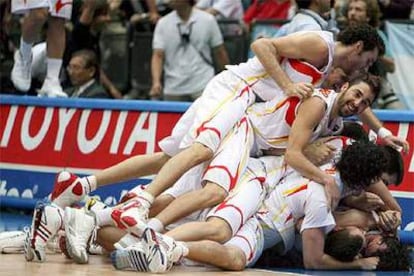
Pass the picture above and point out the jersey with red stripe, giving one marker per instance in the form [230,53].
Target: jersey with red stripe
[272,120]
[254,74]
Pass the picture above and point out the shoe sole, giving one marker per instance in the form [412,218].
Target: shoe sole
[83,257]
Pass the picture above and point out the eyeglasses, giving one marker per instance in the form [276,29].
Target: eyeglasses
[74,67]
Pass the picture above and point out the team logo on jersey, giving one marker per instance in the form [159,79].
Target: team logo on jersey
[325,92]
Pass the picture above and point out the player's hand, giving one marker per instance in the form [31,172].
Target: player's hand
[332,192]
[370,263]
[389,221]
[319,153]
[367,201]
[396,143]
[301,89]
[155,92]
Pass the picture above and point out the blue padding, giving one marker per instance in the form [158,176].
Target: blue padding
[142,105]
[161,106]
[17,202]
[406,237]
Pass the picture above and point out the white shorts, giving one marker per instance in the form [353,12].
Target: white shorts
[57,8]
[250,240]
[170,145]
[244,201]
[231,158]
[222,104]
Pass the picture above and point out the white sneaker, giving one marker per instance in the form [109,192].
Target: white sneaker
[78,229]
[67,189]
[131,216]
[12,242]
[158,244]
[21,74]
[131,258]
[51,89]
[46,222]
[126,241]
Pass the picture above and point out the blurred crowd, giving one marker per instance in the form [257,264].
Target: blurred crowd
[79,54]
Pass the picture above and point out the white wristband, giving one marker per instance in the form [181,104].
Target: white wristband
[383,132]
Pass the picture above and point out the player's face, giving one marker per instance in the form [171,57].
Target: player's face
[374,244]
[355,99]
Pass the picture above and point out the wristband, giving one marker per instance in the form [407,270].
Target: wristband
[383,132]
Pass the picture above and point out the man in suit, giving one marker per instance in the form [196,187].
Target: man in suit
[83,70]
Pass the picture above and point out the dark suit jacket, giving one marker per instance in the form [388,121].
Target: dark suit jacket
[93,91]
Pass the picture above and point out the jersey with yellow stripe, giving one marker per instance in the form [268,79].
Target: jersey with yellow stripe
[254,74]
[272,120]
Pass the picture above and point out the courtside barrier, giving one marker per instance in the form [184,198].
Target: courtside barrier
[41,136]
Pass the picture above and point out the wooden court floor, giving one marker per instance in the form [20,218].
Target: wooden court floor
[56,264]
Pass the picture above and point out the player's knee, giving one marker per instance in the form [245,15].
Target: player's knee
[220,230]
[201,153]
[39,16]
[213,194]
[237,259]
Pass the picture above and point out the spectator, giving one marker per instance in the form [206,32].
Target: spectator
[85,35]
[37,13]
[266,9]
[312,16]
[224,10]
[83,71]
[182,45]
[367,11]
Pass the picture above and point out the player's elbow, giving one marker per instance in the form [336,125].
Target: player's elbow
[290,157]
[312,263]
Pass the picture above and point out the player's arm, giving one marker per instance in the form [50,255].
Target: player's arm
[310,113]
[313,242]
[368,117]
[270,51]
[380,189]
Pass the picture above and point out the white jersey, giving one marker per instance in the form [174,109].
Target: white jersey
[272,120]
[255,75]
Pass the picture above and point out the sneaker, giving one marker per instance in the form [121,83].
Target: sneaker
[173,251]
[67,189]
[12,242]
[46,222]
[131,258]
[21,74]
[51,89]
[131,216]
[78,229]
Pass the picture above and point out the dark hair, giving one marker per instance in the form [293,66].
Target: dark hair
[395,163]
[342,245]
[361,164]
[354,131]
[395,257]
[90,59]
[374,82]
[365,33]
[303,4]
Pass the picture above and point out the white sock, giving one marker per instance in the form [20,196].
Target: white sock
[103,217]
[156,225]
[89,183]
[53,68]
[25,49]
[148,198]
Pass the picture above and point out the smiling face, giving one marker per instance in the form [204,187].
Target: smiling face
[355,99]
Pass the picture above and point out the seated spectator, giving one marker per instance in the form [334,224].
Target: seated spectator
[83,71]
[267,9]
